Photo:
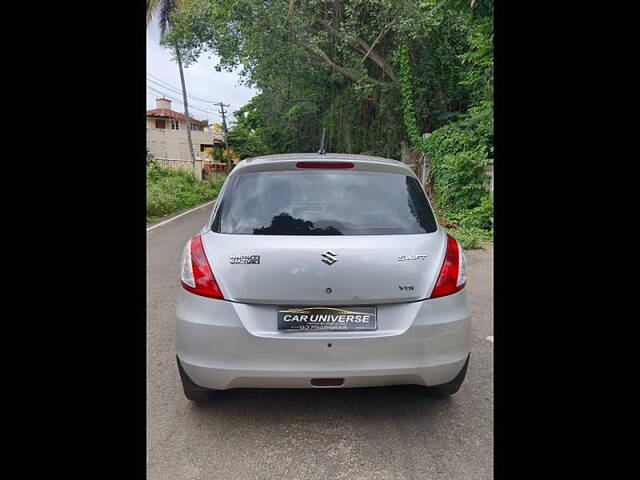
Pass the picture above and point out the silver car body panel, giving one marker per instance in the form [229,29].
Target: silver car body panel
[292,272]
[235,342]
[224,345]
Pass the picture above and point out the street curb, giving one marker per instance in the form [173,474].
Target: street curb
[173,216]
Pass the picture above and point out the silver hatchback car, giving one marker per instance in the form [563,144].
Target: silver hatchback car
[322,271]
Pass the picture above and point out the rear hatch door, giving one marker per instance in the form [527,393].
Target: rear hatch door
[323,270]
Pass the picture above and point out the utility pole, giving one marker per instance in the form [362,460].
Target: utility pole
[186,113]
[224,128]
[322,151]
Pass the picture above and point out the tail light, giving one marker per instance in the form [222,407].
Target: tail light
[197,276]
[453,274]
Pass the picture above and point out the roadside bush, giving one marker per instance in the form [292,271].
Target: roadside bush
[472,227]
[170,190]
[151,160]
[459,181]
[470,238]
[479,217]
[458,152]
[453,138]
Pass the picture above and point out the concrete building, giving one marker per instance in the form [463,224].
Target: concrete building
[167,139]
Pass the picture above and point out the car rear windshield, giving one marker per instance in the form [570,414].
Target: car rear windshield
[323,202]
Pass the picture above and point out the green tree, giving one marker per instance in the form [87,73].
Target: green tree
[165,9]
[374,73]
[458,151]
[246,134]
[334,64]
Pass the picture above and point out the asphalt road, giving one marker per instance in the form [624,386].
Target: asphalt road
[383,433]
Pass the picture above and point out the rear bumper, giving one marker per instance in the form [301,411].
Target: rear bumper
[223,345]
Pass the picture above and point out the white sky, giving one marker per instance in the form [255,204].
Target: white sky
[201,79]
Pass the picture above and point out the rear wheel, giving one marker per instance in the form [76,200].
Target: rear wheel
[194,392]
[451,387]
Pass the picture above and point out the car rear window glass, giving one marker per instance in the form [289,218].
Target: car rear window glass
[323,202]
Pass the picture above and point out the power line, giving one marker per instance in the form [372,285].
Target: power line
[177,100]
[162,83]
[176,92]
[202,114]
[158,92]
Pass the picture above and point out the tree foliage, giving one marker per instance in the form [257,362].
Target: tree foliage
[374,73]
[335,64]
[458,151]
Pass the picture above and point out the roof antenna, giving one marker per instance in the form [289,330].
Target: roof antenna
[322,151]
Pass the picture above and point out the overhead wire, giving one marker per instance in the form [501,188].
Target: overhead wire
[172,98]
[164,84]
[191,100]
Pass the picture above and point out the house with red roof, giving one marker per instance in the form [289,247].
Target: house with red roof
[167,139]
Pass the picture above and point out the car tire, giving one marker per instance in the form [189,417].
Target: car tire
[447,389]
[194,392]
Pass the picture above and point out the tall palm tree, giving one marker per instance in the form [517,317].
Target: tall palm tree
[164,9]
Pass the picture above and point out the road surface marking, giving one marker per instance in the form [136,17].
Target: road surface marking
[178,216]
[490,338]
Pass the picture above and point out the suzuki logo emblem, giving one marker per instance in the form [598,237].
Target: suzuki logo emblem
[328,257]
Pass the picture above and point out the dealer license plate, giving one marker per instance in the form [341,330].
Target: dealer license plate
[327,319]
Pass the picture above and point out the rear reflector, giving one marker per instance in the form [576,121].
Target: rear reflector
[327,382]
[324,164]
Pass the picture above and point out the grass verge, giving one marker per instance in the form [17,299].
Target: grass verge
[471,238]
[169,191]
[473,228]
